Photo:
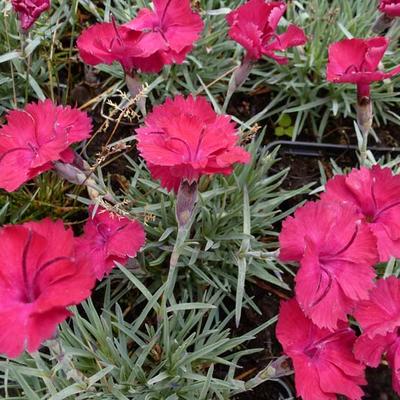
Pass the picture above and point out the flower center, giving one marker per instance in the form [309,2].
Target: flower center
[311,351]
[370,218]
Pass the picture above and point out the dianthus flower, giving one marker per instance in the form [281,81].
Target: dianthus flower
[253,25]
[170,30]
[29,11]
[184,139]
[390,7]
[337,252]
[379,317]
[35,137]
[323,361]
[356,61]
[148,42]
[109,238]
[39,278]
[107,42]
[375,193]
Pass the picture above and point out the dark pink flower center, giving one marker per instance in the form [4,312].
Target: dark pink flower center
[314,349]
[193,156]
[105,232]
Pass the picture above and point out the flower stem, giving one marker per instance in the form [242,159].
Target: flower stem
[136,88]
[27,62]
[185,213]
[364,147]
[364,120]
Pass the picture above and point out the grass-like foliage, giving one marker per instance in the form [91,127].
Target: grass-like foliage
[145,351]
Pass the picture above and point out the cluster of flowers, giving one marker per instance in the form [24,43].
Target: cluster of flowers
[337,241]
[165,35]
[44,268]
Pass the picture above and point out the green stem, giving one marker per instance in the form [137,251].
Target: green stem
[24,44]
[364,146]
[185,211]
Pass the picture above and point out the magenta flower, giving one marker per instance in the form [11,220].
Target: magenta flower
[337,252]
[356,61]
[148,42]
[390,7]
[29,11]
[170,30]
[184,139]
[109,238]
[375,193]
[323,361]
[108,42]
[253,25]
[379,317]
[39,278]
[37,136]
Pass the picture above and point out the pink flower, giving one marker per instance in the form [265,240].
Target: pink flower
[37,136]
[185,139]
[170,30]
[336,252]
[323,361]
[380,314]
[356,61]
[39,279]
[109,238]
[379,317]
[105,43]
[375,193]
[253,25]
[390,7]
[29,11]
[148,42]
